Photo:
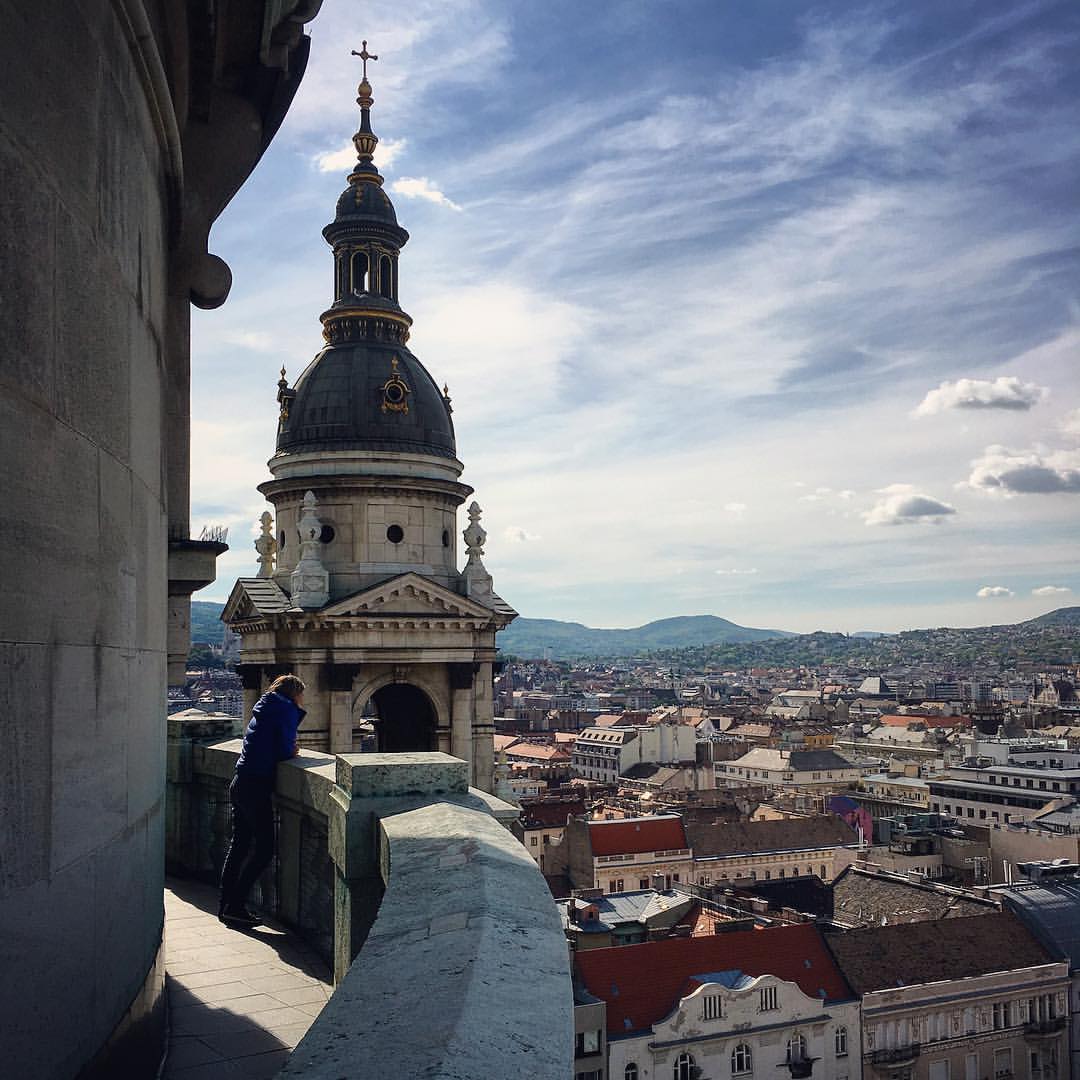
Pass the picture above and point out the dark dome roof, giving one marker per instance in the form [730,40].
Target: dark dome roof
[343,402]
[366,201]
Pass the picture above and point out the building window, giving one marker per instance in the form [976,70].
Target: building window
[587,1042]
[742,1060]
[939,1070]
[630,1072]
[684,1068]
[1000,1013]
[712,1007]
[1003,1063]
[841,1042]
[532,841]
[767,999]
[643,883]
[823,871]
[796,1048]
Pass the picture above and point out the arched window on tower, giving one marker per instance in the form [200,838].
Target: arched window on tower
[358,271]
[386,277]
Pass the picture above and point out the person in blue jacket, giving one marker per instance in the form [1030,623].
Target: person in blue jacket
[270,737]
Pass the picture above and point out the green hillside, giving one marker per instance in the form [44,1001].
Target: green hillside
[534,637]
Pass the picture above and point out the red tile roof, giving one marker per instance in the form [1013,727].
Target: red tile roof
[643,983]
[634,836]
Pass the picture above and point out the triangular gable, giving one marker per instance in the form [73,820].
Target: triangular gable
[409,594]
[255,598]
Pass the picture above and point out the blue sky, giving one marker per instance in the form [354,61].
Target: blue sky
[765,310]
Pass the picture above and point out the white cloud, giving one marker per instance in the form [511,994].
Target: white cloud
[1004,392]
[420,187]
[336,160]
[902,504]
[990,591]
[1005,472]
[736,508]
[259,340]
[1070,424]
[342,160]
[1050,590]
[736,572]
[515,534]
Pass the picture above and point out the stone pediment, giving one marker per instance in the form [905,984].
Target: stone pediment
[255,598]
[408,595]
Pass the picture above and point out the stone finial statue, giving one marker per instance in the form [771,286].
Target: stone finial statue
[310,580]
[266,545]
[478,581]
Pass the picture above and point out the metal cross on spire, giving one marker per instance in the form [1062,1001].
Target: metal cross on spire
[364,55]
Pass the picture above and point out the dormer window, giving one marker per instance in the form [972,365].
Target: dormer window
[767,999]
[712,1007]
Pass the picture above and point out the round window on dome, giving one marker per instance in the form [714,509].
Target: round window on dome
[327,534]
[395,534]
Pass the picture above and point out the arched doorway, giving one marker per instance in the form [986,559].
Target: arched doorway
[404,719]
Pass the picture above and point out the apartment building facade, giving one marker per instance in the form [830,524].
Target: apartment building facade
[973,998]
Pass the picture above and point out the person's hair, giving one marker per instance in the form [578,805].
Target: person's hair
[289,685]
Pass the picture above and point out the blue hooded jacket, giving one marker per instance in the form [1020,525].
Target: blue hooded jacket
[270,736]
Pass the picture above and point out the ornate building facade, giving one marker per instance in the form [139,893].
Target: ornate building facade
[358,590]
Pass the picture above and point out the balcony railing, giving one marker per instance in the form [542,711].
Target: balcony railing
[433,916]
[895,1056]
[1044,1029]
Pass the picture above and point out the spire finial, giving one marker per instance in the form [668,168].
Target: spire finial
[365,56]
[365,140]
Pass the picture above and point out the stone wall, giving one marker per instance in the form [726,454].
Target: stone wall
[83,263]
[432,915]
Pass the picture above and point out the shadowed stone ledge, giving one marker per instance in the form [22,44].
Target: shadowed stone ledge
[465,972]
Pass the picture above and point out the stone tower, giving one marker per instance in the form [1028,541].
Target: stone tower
[358,592]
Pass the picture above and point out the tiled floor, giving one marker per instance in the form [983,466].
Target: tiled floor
[239,1001]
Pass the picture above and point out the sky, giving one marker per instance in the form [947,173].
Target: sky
[763,310]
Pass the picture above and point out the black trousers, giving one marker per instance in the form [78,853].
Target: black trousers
[252,844]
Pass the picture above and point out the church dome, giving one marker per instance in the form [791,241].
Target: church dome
[367,396]
[366,201]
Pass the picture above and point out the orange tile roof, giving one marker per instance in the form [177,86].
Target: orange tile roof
[536,752]
[643,983]
[635,836]
[898,720]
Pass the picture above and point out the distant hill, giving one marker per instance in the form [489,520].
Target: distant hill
[206,624]
[869,635]
[534,637]
[1063,616]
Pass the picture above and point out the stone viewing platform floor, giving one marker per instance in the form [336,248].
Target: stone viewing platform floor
[238,1001]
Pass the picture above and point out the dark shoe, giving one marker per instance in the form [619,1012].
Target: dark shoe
[240,918]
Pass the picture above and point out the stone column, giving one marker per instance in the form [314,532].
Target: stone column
[339,682]
[461,711]
[483,731]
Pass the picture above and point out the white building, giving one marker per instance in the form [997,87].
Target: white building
[745,1004]
[787,769]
